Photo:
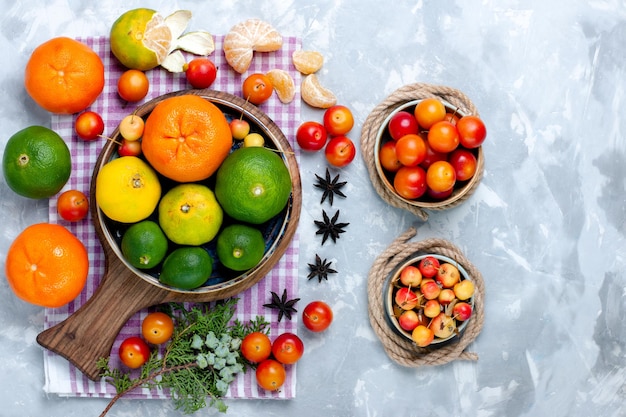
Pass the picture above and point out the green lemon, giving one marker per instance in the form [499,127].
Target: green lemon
[36,162]
[253,184]
[240,247]
[186,268]
[189,214]
[144,245]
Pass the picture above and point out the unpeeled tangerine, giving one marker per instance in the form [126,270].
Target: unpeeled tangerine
[283,83]
[315,95]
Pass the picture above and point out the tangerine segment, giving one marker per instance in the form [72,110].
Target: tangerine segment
[315,95]
[186,138]
[158,37]
[283,84]
[307,62]
[64,76]
[47,265]
[246,37]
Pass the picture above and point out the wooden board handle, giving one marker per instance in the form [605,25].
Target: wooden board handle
[89,333]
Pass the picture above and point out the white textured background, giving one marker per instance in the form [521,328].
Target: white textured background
[546,227]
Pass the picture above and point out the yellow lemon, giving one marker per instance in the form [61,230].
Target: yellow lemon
[127,189]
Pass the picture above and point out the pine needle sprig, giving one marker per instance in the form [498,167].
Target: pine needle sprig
[199,362]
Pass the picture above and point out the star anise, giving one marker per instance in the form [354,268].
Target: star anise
[320,269]
[285,307]
[331,187]
[329,227]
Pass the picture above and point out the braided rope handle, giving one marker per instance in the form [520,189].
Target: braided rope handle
[376,118]
[399,349]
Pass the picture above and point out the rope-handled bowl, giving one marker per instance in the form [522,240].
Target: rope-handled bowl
[374,134]
[398,347]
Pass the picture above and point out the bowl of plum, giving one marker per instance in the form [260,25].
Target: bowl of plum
[428,299]
[428,153]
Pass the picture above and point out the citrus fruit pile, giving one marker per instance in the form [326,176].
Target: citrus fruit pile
[164,192]
[194,204]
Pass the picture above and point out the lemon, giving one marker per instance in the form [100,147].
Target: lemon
[240,247]
[189,214]
[144,244]
[36,162]
[253,184]
[140,39]
[127,189]
[187,268]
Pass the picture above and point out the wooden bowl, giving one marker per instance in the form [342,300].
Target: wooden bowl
[462,190]
[89,333]
[391,285]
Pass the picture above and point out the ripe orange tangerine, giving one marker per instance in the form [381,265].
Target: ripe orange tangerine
[47,265]
[64,76]
[186,138]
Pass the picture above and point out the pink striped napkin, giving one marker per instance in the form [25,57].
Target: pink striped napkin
[61,377]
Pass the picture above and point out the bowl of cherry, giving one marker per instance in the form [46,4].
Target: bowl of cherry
[429,153]
[428,299]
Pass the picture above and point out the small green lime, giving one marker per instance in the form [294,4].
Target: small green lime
[186,268]
[240,247]
[36,162]
[144,245]
[253,184]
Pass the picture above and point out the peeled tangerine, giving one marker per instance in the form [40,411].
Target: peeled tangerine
[143,39]
[246,37]
[283,84]
[315,95]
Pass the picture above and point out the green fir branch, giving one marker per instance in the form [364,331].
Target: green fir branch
[199,362]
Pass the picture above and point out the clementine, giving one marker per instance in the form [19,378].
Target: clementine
[47,265]
[64,75]
[245,38]
[186,138]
